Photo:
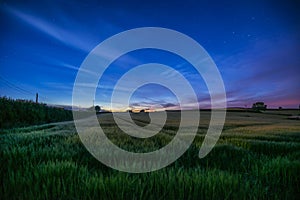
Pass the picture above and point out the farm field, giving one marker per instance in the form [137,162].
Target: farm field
[256,157]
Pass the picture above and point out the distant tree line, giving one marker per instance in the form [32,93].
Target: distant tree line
[18,113]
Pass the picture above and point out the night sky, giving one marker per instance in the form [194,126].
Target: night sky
[255,45]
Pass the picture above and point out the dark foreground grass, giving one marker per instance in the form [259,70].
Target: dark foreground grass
[51,163]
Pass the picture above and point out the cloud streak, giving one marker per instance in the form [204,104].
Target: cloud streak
[73,34]
[263,73]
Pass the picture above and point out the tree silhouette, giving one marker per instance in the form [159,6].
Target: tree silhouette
[258,106]
[97,108]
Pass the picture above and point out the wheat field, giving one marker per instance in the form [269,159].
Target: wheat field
[257,157]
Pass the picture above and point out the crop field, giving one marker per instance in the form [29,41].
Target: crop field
[256,157]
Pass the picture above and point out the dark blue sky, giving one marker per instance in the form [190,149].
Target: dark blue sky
[255,45]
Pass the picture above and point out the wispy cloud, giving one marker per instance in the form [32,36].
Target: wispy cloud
[59,33]
[154,105]
[264,72]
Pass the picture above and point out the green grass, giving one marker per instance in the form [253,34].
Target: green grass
[257,157]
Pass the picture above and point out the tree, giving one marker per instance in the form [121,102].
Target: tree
[258,106]
[97,108]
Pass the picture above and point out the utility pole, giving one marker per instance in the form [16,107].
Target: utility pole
[37,98]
